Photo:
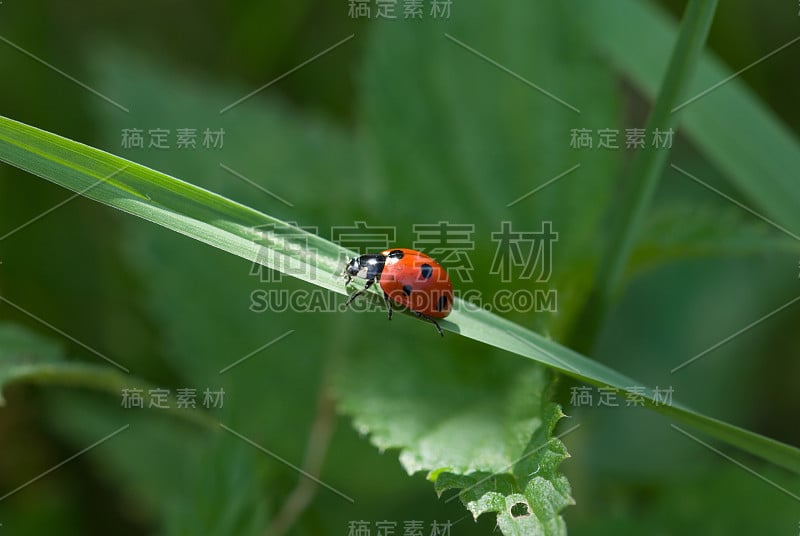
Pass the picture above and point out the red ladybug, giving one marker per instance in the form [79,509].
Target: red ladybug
[408,278]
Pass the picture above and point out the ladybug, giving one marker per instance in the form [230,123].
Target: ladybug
[408,278]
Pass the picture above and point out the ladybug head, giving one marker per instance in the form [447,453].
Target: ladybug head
[351,268]
[365,267]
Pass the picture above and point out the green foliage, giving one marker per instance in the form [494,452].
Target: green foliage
[237,229]
[528,493]
[493,136]
[683,500]
[21,354]
[25,357]
[467,431]
[646,170]
[453,139]
[732,127]
[681,231]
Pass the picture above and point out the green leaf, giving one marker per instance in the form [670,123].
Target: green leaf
[459,422]
[29,358]
[225,498]
[680,231]
[151,463]
[527,493]
[229,226]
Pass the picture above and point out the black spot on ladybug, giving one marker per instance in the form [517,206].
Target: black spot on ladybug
[426,271]
[441,305]
[395,254]
[407,290]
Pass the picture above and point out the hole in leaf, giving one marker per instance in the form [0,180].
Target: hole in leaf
[520,509]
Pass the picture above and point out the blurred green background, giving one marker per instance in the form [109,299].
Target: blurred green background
[396,126]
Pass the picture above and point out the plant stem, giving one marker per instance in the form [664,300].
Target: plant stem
[317,449]
[647,168]
[106,380]
[319,440]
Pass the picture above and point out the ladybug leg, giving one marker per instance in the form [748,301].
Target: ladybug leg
[388,304]
[431,320]
[358,293]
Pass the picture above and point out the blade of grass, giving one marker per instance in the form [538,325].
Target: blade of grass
[739,134]
[232,227]
[647,168]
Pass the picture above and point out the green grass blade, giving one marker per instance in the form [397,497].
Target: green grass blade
[647,169]
[169,202]
[738,133]
[234,228]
